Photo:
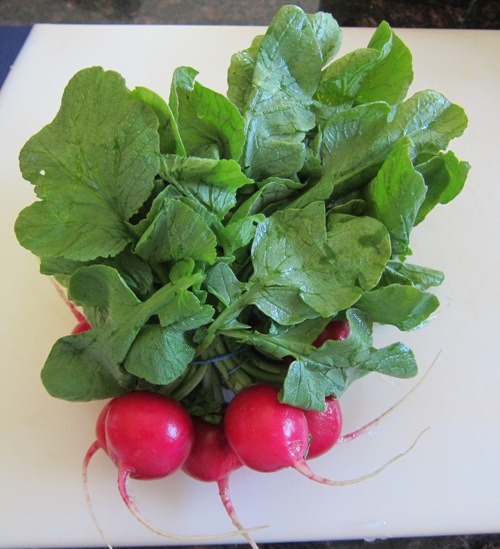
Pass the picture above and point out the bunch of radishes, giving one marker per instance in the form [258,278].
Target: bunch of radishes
[150,436]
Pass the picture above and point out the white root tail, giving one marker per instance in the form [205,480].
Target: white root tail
[123,478]
[365,428]
[302,467]
[88,456]
[223,485]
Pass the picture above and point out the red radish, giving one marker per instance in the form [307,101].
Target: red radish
[268,435]
[82,323]
[335,330]
[211,457]
[324,427]
[213,460]
[100,427]
[147,436]
[82,326]
[265,434]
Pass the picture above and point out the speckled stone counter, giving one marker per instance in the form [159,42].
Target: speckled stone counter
[478,14]
[451,542]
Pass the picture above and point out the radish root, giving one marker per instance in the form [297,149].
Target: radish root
[76,313]
[88,456]
[123,478]
[365,428]
[223,485]
[302,467]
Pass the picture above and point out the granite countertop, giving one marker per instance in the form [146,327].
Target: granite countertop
[476,14]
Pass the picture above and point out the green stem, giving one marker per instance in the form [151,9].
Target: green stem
[192,380]
[212,384]
[157,300]
[228,314]
[261,376]
[160,272]
[234,377]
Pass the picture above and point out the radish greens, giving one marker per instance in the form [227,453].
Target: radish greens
[207,237]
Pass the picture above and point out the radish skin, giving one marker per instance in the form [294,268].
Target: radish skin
[135,430]
[336,330]
[324,428]
[268,435]
[212,460]
[82,326]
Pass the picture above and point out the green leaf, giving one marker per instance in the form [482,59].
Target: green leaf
[390,77]
[356,141]
[444,176]
[222,282]
[290,256]
[395,195]
[336,364]
[330,369]
[328,34]
[79,368]
[396,360]
[159,355]
[88,366]
[294,256]
[91,177]
[212,183]
[286,71]
[307,384]
[136,273]
[423,278]
[238,233]
[361,246]
[184,311]
[297,341]
[272,194]
[170,140]
[381,72]
[405,307]
[284,304]
[177,233]
[430,120]
[353,146]
[209,124]
[240,74]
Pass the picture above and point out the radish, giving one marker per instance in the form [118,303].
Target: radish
[147,436]
[268,435]
[82,323]
[213,460]
[335,330]
[82,326]
[324,427]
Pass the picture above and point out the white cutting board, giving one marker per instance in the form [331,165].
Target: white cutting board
[448,484]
